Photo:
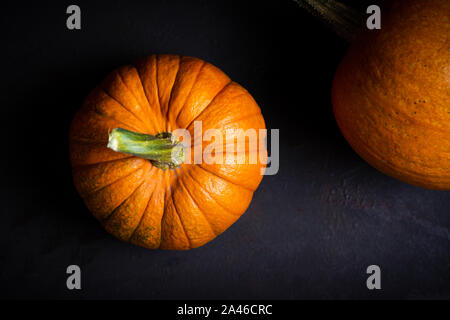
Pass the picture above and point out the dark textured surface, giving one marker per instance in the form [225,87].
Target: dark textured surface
[310,231]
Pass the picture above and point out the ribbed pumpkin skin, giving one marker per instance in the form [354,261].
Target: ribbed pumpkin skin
[137,202]
[391,94]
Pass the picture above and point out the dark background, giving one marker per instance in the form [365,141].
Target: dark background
[311,230]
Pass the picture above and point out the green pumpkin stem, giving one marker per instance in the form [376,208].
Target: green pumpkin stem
[163,149]
[345,21]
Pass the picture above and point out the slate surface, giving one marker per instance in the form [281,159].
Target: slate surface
[311,230]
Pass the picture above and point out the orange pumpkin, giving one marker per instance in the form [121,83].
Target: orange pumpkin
[158,203]
[391,93]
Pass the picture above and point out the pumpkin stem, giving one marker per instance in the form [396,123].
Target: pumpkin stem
[164,150]
[344,20]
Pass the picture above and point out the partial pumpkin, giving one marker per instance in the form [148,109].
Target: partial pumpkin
[391,93]
[139,202]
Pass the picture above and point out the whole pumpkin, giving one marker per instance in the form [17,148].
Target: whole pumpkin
[161,204]
[391,93]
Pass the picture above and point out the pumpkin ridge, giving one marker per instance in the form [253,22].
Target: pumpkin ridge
[148,100]
[145,210]
[96,111]
[101,162]
[245,117]
[225,179]
[145,180]
[169,101]
[206,107]
[190,90]
[157,89]
[117,180]
[165,197]
[211,196]
[196,204]
[161,227]
[148,111]
[100,210]
[155,192]
[105,219]
[134,96]
[181,222]
[125,108]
